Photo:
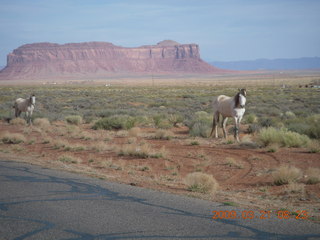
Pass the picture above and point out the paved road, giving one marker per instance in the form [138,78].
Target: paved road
[39,203]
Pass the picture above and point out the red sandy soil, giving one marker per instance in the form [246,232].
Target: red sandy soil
[246,181]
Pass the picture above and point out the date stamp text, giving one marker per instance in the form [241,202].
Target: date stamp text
[247,214]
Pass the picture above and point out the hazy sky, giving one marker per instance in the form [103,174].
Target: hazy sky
[224,29]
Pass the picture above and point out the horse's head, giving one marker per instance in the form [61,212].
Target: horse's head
[243,91]
[33,99]
[241,98]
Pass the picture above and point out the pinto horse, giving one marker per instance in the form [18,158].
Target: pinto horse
[229,107]
[25,105]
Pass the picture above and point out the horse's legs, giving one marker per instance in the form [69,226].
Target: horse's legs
[239,120]
[215,122]
[224,124]
[16,112]
[236,128]
[217,119]
[28,116]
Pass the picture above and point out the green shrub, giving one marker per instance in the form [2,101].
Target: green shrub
[4,115]
[157,119]
[74,119]
[200,125]
[289,114]
[200,129]
[164,124]
[115,122]
[282,137]
[309,126]
[175,119]
[267,122]
[253,128]
[293,139]
[163,121]
[251,118]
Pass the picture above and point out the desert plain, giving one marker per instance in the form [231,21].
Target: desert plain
[153,132]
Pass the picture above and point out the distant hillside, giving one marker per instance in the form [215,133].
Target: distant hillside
[271,64]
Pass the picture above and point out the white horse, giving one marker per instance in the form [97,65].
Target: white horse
[25,105]
[229,107]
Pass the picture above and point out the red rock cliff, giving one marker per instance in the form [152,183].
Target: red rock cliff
[48,60]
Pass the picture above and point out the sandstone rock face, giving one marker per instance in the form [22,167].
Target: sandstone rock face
[98,59]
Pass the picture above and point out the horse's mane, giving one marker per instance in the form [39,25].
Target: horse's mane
[237,100]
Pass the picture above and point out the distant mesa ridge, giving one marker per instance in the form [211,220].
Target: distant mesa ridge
[271,64]
[96,59]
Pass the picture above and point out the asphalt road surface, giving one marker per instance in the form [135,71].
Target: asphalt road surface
[39,203]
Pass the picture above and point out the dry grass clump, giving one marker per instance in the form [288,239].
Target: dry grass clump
[69,159]
[106,163]
[18,122]
[141,151]
[74,119]
[96,135]
[101,146]
[47,139]
[286,174]
[274,147]
[43,123]
[201,182]
[109,163]
[163,134]
[73,131]
[231,162]
[57,144]
[313,175]
[87,135]
[122,133]
[144,168]
[247,142]
[295,188]
[134,150]
[76,147]
[161,153]
[134,132]
[12,138]
[314,146]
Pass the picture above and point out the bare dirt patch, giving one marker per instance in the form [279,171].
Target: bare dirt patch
[244,174]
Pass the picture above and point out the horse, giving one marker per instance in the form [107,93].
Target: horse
[229,107]
[25,105]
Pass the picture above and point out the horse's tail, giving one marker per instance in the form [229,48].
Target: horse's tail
[15,104]
[214,122]
[214,102]
[214,106]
